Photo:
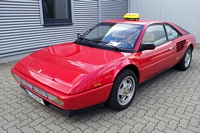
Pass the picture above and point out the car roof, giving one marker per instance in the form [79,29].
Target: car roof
[146,23]
[142,22]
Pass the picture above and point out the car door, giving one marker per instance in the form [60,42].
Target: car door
[178,41]
[155,61]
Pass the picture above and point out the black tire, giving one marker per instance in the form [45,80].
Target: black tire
[185,62]
[120,87]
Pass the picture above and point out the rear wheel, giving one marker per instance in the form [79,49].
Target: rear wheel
[123,90]
[184,64]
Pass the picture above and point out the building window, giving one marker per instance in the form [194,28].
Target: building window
[57,12]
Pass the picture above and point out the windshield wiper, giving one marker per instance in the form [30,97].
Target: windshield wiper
[91,42]
[86,40]
[98,41]
[114,47]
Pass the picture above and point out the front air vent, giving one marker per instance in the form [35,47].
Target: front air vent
[180,45]
[34,88]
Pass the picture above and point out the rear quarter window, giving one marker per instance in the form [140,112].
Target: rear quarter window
[172,33]
[183,29]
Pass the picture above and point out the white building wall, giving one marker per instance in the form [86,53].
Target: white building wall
[113,9]
[185,13]
[21,31]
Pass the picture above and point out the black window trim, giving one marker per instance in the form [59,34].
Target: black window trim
[164,30]
[103,47]
[57,22]
[187,32]
[172,28]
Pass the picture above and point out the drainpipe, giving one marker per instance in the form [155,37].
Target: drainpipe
[99,11]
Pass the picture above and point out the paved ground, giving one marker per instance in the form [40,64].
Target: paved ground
[169,103]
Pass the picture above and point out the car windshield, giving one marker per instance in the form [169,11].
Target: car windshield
[120,35]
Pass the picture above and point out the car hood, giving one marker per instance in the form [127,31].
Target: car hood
[69,63]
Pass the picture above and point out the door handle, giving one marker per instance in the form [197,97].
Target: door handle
[170,48]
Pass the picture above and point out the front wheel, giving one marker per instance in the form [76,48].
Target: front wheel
[123,90]
[185,61]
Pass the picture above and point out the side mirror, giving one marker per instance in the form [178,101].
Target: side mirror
[147,46]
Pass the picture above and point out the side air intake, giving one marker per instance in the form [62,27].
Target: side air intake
[180,45]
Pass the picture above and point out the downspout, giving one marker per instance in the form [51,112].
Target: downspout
[99,11]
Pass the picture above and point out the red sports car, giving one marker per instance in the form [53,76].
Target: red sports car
[104,65]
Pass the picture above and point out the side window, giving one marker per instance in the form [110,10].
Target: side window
[171,32]
[155,34]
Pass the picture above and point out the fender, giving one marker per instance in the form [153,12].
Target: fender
[191,41]
[131,63]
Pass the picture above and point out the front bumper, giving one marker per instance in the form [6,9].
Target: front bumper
[71,102]
[68,112]
[74,112]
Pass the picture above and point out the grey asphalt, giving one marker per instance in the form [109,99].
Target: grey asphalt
[169,103]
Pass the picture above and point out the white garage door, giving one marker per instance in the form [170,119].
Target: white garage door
[185,13]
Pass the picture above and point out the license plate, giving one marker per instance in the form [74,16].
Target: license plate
[40,100]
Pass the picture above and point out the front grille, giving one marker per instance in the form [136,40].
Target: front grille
[180,45]
[34,88]
[41,92]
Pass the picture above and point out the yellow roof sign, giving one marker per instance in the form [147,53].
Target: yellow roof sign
[134,16]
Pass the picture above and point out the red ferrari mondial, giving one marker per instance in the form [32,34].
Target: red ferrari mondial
[104,65]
